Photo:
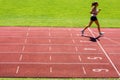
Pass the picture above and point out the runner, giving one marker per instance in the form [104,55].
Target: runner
[94,11]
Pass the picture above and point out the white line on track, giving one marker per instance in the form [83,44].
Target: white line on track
[21,56]
[52,37]
[49,40]
[50,48]
[91,49]
[117,43]
[79,58]
[51,69]
[84,70]
[73,41]
[83,41]
[106,54]
[71,35]
[48,63]
[49,53]
[17,70]
[76,49]
[50,58]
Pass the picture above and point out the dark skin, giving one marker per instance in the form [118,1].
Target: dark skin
[96,21]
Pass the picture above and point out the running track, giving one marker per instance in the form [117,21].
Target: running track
[58,52]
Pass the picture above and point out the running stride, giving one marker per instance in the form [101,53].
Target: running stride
[94,12]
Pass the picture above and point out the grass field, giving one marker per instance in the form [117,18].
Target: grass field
[72,13]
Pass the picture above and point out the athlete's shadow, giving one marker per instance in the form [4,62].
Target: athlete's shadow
[93,39]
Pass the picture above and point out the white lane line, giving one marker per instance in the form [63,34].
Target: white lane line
[91,49]
[23,48]
[118,43]
[73,41]
[25,41]
[49,34]
[39,44]
[50,48]
[83,41]
[38,37]
[47,63]
[50,53]
[50,58]
[71,35]
[51,69]
[79,58]
[21,56]
[84,70]
[76,49]
[17,70]
[49,40]
[106,54]
[111,39]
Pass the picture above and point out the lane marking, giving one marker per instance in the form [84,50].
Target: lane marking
[116,42]
[84,70]
[111,39]
[23,48]
[106,54]
[52,37]
[50,58]
[76,49]
[47,63]
[21,56]
[49,40]
[79,58]
[73,41]
[40,44]
[17,70]
[78,35]
[91,49]
[100,70]
[51,69]
[84,41]
[50,48]
[49,53]
[71,35]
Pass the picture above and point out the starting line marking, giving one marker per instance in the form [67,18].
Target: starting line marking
[84,41]
[92,49]
[100,70]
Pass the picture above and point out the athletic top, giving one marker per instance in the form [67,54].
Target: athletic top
[94,12]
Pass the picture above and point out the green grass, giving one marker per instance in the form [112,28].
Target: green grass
[72,13]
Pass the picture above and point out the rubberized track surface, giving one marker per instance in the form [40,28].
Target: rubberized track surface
[58,52]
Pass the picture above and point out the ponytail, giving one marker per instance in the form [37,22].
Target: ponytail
[94,3]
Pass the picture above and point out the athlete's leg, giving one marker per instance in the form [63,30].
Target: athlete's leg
[98,25]
[90,23]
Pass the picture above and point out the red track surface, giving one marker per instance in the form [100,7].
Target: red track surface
[58,52]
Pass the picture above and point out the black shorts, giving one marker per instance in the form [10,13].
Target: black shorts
[93,18]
